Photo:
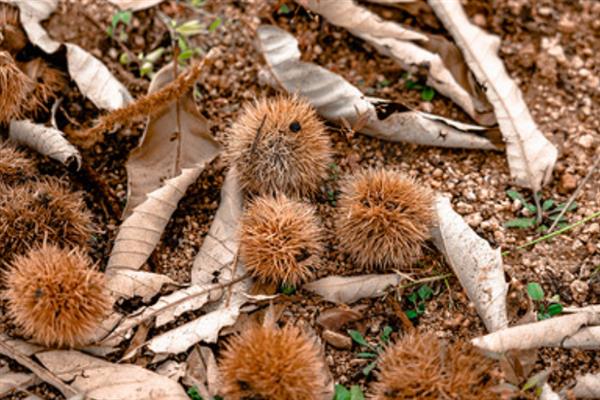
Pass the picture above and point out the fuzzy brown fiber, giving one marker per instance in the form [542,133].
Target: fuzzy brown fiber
[384,217]
[48,83]
[15,166]
[14,86]
[280,240]
[55,297]
[12,36]
[273,364]
[279,144]
[420,366]
[39,210]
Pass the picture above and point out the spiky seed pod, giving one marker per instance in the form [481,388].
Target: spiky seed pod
[420,366]
[15,167]
[48,84]
[41,210]
[280,240]
[55,297]
[14,86]
[12,36]
[384,217]
[271,363]
[279,144]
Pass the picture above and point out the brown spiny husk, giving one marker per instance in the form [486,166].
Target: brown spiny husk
[280,240]
[14,86]
[383,219]
[12,36]
[271,363]
[15,166]
[421,366]
[279,144]
[55,296]
[48,83]
[41,209]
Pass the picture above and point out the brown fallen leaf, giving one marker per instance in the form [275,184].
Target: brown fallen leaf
[335,318]
[337,340]
[348,289]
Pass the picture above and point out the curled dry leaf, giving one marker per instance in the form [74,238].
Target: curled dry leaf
[348,289]
[11,381]
[164,153]
[531,157]
[102,380]
[336,99]
[586,387]
[92,77]
[568,331]
[135,5]
[335,318]
[46,141]
[172,369]
[478,267]
[448,72]
[127,283]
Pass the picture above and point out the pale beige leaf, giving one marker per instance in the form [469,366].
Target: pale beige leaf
[163,151]
[31,14]
[102,380]
[11,381]
[135,5]
[46,141]
[531,157]
[172,369]
[587,386]
[409,48]
[569,331]
[196,373]
[477,266]
[127,283]
[548,393]
[337,99]
[348,289]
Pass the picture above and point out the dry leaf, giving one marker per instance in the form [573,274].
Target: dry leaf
[478,267]
[417,8]
[568,331]
[126,283]
[135,5]
[336,317]
[92,77]
[531,157]
[587,387]
[337,99]
[163,151]
[195,374]
[348,289]
[548,393]
[448,72]
[212,370]
[14,381]
[102,380]
[172,369]
[46,141]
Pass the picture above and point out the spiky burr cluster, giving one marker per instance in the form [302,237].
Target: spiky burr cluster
[280,240]
[420,366]
[384,217]
[48,82]
[15,167]
[14,87]
[279,144]
[271,363]
[55,297]
[41,210]
[12,36]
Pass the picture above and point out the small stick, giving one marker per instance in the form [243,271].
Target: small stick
[425,280]
[38,370]
[575,194]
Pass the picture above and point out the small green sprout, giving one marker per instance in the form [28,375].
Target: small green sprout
[354,393]
[546,308]
[427,92]
[550,212]
[370,351]
[418,299]
[123,17]
[283,9]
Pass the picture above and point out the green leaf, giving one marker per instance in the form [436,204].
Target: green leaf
[284,9]
[341,393]
[109,31]
[367,370]
[425,292]
[155,55]
[121,16]
[193,393]
[421,309]
[124,59]
[366,354]
[410,84]
[215,24]
[189,28]
[554,309]
[358,338]
[356,393]
[560,207]
[146,68]
[385,335]
[535,291]
[531,207]
[411,314]
[427,94]
[520,223]
[547,204]
[513,194]
[287,289]
[185,55]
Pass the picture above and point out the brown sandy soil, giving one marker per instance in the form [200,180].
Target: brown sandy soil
[550,48]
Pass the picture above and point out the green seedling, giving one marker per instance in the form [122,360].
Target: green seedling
[427,92]
[193,393]
[547,308]
[284,10]
[370,351]
[354,393]
[418,300]
[120,17]
[549,209]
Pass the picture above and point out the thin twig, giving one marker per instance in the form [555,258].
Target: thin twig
[575,194]
[38,370]
[538,208]
[425,280]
